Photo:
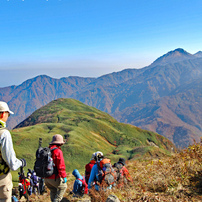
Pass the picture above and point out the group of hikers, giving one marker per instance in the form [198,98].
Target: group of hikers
[99,172]
[31,184]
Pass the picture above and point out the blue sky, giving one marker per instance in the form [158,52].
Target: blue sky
[62,38]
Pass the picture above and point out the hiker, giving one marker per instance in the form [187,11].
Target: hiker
[23,185]
[22,191]
[8,160]
[80,186]
[41,186]
[14,197]
[30,187]
[88,167]
[35,180]
[97,175]
[123,176]
[57,182]
[29,171]
[94,172]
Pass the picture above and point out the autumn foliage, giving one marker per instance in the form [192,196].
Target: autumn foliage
[175,179]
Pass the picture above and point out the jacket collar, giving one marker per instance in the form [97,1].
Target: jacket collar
[2,124]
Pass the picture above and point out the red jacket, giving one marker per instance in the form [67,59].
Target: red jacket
[126,174]
[88,168]
[59,162]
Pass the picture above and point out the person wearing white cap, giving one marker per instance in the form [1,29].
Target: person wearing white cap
[94,172]
[8,160]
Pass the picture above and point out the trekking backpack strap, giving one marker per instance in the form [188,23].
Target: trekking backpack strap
[55,167]
[4,168]
[100,174]
[84,185]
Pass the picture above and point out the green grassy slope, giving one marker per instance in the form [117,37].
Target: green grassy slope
[88,130]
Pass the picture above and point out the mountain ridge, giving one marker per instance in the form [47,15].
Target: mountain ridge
[174,56]
[112,93]
[87,130]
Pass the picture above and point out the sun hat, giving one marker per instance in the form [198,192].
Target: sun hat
[57,139]
[4,107]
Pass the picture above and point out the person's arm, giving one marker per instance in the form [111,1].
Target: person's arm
[60,163]
[92,176]
[7,151]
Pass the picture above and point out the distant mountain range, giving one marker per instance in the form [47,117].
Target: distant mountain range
[164,97]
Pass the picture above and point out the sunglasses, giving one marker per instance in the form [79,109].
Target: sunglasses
[8,114]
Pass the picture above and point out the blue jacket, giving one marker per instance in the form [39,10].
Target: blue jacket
[93,178]
[77,188]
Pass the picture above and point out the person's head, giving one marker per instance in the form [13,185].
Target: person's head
[4,111]
[93,156]
[122,161]
[57,140]
[99,155]
[76,174]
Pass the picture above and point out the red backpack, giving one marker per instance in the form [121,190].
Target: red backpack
[84,186]
[88,168]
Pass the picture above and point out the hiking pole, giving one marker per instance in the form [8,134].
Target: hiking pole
[23,178]
[40,141]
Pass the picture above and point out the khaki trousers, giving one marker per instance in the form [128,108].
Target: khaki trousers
[57,188]
[6,186]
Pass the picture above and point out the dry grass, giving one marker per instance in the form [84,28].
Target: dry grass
[170,179]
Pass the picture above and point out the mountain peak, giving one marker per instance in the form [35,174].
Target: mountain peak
[180,50]
[198,54]
[176,55]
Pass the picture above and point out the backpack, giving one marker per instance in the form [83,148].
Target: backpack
[88,168]
[84,186]
[105,172]
[44,166]
[118,167]
[35,179]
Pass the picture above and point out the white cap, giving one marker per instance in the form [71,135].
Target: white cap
[4,107]
[99,154]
